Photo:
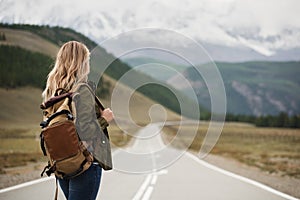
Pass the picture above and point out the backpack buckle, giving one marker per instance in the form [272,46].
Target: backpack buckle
[43,124]
[70,116]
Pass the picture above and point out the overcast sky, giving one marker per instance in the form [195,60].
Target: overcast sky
[264,25]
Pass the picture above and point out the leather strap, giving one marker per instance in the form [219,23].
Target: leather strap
[56,189]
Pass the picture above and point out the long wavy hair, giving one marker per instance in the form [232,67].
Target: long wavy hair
[71,67]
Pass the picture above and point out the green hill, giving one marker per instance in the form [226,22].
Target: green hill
[56,35]
[35,74]
[20,67]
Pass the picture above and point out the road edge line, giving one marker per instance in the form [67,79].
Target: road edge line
[244,179]
[29,183]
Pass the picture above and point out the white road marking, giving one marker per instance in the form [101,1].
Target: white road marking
[241,178]
[148,193]
[143,188]
[26,184]
[146,189]
[154,179]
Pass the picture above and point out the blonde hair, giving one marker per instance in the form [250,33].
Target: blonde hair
[71,67]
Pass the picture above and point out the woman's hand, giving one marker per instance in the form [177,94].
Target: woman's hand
[107,114]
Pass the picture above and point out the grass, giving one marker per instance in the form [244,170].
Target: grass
[19,108]
[20,117]
[28,40]
[271,149]
[18,147]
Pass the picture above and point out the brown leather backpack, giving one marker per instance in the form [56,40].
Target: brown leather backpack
[67,156]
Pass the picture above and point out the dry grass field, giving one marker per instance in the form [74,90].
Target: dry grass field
[271,149]
[28,40]
[20,117]
[275,150]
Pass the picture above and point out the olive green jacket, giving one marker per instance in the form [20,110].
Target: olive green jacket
[90,126]
[89,122]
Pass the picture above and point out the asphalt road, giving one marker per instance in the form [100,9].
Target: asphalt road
[151,170]
[185,179]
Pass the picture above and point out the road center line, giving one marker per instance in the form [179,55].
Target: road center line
[146,189]
[143,188]
[154,179]
[148,193]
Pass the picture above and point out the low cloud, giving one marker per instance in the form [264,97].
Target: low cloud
[265,26]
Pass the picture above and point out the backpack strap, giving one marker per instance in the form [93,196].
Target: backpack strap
[56,189]
[42,144]
[55,99]
[45,123]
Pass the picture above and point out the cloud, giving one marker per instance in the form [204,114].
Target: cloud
[265,26]
[270,16]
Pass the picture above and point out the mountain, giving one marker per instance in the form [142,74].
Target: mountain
[229,31]
[252,88]
[260,88]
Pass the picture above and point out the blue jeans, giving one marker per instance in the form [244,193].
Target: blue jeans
[84,186]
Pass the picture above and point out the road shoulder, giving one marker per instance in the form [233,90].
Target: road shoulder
[284,184]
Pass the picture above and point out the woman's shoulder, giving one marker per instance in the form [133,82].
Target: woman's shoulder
[85,87]
[83,92]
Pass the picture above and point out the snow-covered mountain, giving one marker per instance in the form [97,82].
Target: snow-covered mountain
[230,30]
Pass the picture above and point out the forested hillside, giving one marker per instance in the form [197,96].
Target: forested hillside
[32,68]
[20,67]
[56,35]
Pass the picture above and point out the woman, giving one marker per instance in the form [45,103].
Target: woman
[70,72]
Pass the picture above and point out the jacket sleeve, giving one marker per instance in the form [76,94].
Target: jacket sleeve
[103,123]
[86,119]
